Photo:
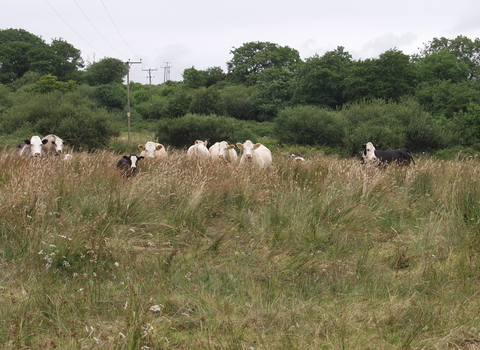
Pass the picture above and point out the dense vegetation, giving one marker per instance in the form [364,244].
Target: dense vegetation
[427,102]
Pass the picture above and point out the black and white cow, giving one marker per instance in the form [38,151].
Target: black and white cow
[400,156]
[32,148]
[128,165]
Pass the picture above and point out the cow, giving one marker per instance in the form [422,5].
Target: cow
[223,151]
[400,156]
[54,145]
[297,157]
[198,150]
[32,148]
[256,153]
[128,165]
[153,150]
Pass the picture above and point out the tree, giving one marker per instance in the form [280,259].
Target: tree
[464,49]
[389,77]
[194,78]
[21,52]
[49,83]
[321,79]
[254,57]
[106,71]
[275,90]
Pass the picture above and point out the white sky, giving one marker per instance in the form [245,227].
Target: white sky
[201,34]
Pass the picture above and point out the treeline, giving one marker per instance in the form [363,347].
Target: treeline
[427,101]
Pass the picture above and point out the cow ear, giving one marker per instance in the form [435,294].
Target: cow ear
[27,142]
[140,158]
[141,147]
[125,157]
[240,145]
[257,145]
[231,146]
[159,147]
[205,143]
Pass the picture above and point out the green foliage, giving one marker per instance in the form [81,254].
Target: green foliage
[390,77]
[206,101]
[182,132]
[111,96]
[238,102]
[254,57]
[310,125]
[21,52]
[177,105]
[49,83]
[275,88]
[321,80]
[70,116]
[106,71]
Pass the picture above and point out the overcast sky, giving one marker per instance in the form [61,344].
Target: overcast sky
[187,33]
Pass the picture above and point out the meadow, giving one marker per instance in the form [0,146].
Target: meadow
[322,254]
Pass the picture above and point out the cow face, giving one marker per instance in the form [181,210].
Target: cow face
[248,149]
[58,144]
[35,146]
[368,152]
[150,148]
[128,164]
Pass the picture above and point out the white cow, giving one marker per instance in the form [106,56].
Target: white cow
[256,153]
[198,150]
[297,157]
[32,148]
[54,145]
[153,150]
[223,151]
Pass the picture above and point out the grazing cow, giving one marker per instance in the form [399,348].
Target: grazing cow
[297,157]
[223,151]
[153,150]
[54,145]
[198,150]
[128,165]
[32,148]
[400,156]
[256,153]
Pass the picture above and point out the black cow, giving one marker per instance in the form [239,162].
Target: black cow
[128,165]
[400,156]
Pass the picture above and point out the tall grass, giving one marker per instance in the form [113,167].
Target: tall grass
[323,254]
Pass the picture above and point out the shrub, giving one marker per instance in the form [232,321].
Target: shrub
[310,125]
[182,132]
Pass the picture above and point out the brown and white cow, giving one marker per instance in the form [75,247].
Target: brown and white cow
[256,153]
[224,152]
[32,148]
[54,145]
[153,150]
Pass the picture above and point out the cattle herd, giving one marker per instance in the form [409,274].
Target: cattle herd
[254,153]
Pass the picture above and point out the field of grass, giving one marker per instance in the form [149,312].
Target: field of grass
[324,254]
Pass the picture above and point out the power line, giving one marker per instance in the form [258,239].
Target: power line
[88,19]
[118,31]
[72,28]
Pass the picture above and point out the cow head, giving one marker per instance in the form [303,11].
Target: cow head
[35,146]
[368,152]
[248,148]
[150,148]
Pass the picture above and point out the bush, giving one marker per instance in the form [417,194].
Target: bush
[310,125]
[237,102]
[111,96]
[183,132]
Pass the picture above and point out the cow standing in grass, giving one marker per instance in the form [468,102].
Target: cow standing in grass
[256,154]
[32,148]
[400,156]
[224,152]
[128,165]
[198,150]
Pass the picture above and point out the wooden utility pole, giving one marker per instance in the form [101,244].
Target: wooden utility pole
[129,64]
[150,70]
